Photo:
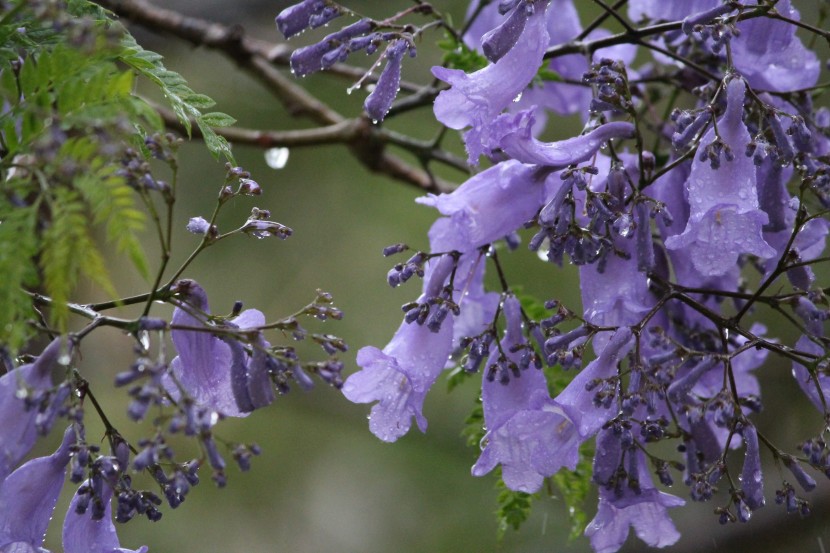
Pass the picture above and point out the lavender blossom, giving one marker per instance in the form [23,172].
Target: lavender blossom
[491,204]
[475,100]
[18,432]
[28,497]
[212,371]
[725,220]
[771,57]
[558,155]
[528,435]
[644,508]
[399,377]
[752,482]
[83,534]
[310,59]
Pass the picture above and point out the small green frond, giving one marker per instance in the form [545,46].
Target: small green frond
[18,249]
[185,103]
[68,252]
[574,487]
[514,508]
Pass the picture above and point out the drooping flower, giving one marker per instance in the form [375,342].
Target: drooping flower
[213,371]
[644,508]
[475,100]
[18,432]
[399,376]
[724,220]
[377,104]
[771,57]
[28,497]
[522,146]
[527,434]
[491,204]
[82,534]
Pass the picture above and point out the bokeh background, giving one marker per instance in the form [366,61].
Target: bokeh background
[323,483]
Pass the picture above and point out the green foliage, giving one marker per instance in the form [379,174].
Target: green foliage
[458,55]
[18,246]
[574,487]
[67,252]
[514,508]
[186,103]
[473,431]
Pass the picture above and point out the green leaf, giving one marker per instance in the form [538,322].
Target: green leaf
[184,102]
[514,508]
[218,119]
[18,249]
[574,487]
[458,55]
[473,430]
[69,253]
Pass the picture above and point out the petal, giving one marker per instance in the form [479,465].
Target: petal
[81,534]
[29,494]
[18,433]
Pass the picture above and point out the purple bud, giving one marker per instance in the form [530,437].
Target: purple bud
[377,104]
[805,480]
[305,61]
[198,225]
[393,249]
[682,138]
[296,19]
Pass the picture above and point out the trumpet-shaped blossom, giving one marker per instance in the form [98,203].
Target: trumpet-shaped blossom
[520,145]
[28,497]
[644,508]
[724,219]
[475,100]
[528,434]
[18,432]
[771,57]
[214,372]
[491,204]
[83,534]
[399,376]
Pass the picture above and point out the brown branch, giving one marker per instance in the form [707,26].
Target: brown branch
[259,58]
[364,140]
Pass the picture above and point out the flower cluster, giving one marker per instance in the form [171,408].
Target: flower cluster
[741,184]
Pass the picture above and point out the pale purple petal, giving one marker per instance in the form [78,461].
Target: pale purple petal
[577,402]
[752,482]
[18,433]
[81,534]
[816,389]
[377,104]
[558,155]
[29,494]
[399,377]
[724,220]
[771,57]
[491,204]
[206,365]
[661,10]
[475,100]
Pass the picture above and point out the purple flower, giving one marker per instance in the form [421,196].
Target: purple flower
[644,509]
[308,13]
[198,225]
[521,146]
[769,55]
[577,400]
[657,10]
[28,497]
[18,432]
[475,100]
[491,204]
[400,376]
[82,534]
[310,59]
[528,434]
[213,371]
[724,220]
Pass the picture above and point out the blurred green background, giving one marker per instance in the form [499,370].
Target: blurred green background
[323,483]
